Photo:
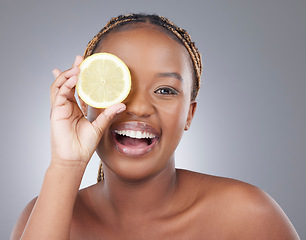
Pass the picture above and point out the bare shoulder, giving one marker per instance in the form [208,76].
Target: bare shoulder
[243,210]
[22,220]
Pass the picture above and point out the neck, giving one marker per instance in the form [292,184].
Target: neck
[127,198]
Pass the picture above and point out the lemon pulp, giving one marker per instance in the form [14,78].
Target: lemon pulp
[104,80]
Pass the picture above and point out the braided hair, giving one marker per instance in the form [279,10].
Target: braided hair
[174,31]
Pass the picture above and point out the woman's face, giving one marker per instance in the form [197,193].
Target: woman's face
[140,142]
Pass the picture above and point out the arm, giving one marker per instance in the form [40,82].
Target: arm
[49,216]
[73,141]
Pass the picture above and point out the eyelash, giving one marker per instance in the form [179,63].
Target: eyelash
[170,91]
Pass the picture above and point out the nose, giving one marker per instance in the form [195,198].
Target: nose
[139,104]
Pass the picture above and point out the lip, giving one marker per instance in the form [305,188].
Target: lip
[135,126]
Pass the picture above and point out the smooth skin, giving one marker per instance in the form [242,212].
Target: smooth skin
[142,197]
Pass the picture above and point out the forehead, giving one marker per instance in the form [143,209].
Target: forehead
[146,43]
[138,26]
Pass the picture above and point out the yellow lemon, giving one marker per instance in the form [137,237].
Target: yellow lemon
[104,80]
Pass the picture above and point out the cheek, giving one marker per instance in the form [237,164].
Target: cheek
[173,115]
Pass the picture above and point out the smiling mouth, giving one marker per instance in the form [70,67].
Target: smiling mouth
[134,142]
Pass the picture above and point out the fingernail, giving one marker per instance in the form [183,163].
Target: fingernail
[121,110]
[75,59]
[54,72]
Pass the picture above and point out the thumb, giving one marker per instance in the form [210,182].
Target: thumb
[104,119]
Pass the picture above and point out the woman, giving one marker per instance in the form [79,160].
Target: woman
[140,194]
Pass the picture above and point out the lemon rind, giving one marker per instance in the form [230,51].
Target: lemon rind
[126,74]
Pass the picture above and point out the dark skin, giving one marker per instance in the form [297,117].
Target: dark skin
[144,196]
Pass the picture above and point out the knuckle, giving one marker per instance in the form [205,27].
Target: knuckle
[106,116]
[52,85]
[52,88]
[55,83]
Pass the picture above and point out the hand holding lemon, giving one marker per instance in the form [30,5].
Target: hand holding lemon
[102,80]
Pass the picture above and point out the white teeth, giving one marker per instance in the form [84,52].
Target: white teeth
[135,134]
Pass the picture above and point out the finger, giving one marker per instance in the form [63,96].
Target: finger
[104,119]
[64,76]
[78,60]
[56,72]
[66,92]
[60,80]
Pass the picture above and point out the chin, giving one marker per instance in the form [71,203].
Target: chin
[137,169]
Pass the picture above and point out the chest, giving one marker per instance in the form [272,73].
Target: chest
[181,226]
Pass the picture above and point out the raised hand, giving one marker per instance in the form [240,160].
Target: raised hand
[73,138]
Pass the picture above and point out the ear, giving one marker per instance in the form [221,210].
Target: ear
[192,109]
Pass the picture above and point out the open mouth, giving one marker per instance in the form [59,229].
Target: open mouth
[134,142]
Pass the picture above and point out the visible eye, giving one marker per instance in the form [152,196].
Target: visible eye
[166,91]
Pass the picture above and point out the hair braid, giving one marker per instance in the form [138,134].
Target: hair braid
[185,38]
[178,32]
[100,172]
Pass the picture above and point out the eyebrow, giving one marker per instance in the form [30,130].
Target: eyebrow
[171,74]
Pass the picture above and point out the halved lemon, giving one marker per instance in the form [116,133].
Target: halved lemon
[104,80]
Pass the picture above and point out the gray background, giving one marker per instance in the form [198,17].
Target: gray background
[250,121]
